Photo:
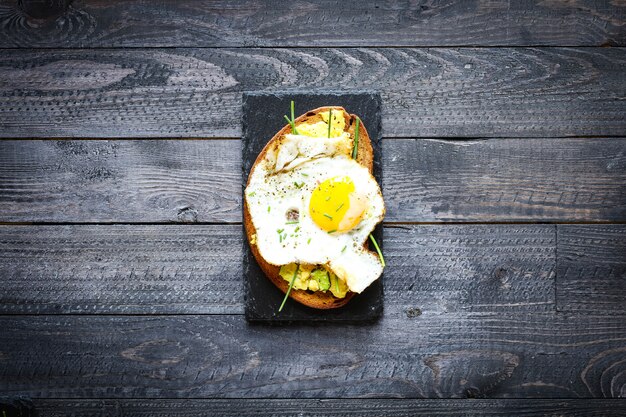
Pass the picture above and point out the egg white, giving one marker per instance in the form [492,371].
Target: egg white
[284,182]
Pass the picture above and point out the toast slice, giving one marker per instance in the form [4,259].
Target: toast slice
[365,157]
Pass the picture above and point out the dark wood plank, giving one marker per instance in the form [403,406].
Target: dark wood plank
[506,180]
[120,181]
[121,269]
[439,92]
[435,355]
[338,408]
[423,180]
[197,269]
[469,268]
[592,268]
[322,23]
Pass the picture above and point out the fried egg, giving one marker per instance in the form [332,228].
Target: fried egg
[311,203]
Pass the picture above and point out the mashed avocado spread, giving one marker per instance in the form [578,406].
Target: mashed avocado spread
[314,278]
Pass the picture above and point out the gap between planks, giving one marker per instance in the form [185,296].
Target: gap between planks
[398,224]
[286,46]
[238,138]
[278,399]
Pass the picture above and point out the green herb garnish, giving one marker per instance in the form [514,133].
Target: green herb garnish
[344,248]
[268,209]
[279,231]
[339,208]
[308,241]
[291,223]
[327,198]
[330,120]
[331,231]
[251,194]
[380,254]
[293,127]
[298,185]
[356,139]
[304,174]
[297,228]
[290,286]
[293,119]
[328,216]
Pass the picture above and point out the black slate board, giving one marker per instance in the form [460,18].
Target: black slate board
[262,118]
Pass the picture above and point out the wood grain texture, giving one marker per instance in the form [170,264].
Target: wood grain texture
[476,268]
[423,180]
[592,268]
[322,23]
[505,180]
[337,408]
[120,181]
[437,92]
[197,269]
[435,355]
[121,269]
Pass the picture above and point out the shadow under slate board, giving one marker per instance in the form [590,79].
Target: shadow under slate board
[17,407]
[262,118]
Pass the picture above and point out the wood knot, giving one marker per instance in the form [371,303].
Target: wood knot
[471,374]
[501,274]
[187,215]
[471,393]
[43,9]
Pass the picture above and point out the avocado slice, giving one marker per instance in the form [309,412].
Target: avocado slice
[322,278]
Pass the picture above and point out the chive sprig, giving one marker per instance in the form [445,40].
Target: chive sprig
[293,279]
[330,120]
[380,254]
[356,138]
[292,121]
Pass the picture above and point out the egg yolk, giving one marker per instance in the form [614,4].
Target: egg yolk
[335,206]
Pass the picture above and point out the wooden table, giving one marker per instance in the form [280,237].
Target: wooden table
[504,173]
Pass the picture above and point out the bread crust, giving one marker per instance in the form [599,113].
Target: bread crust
[365,157]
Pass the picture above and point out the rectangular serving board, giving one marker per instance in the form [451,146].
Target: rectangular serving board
[262,118]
